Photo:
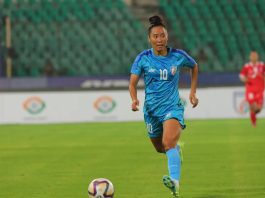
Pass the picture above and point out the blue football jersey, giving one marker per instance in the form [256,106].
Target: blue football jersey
[161,76]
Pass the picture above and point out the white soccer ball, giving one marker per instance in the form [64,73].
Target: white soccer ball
[101,188]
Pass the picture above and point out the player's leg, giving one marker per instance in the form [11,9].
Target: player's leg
[155,130]
[157,143]
[252,108]
[171,134]
[259,102]
[255,105]
[250,97]
[172,130]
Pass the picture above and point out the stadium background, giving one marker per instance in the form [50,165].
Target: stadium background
[55,45]
[69,61]
[95,38]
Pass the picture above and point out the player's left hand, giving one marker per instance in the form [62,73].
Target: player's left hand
[193,100]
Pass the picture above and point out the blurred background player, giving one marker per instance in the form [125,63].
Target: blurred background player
[252,74]
[163,110]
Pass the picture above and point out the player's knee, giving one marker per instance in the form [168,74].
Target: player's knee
[160,149]
[168,144]
[252,108]
[257,108]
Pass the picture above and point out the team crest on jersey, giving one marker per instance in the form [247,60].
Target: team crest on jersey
[173,70]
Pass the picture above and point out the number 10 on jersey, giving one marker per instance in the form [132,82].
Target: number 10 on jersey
[163,74]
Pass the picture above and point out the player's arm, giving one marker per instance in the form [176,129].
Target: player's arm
[243,78]
[264,76]
[194,79]
[243,75]
[133,91]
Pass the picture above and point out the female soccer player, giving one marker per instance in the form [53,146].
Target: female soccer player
[163,110]
[252,74]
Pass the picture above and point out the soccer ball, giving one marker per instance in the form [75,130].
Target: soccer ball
[101,188]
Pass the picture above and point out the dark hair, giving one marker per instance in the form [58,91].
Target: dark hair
[154,22]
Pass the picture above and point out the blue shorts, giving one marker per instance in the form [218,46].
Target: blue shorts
[154,125]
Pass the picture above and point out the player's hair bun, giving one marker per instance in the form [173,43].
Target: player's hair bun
[155,20]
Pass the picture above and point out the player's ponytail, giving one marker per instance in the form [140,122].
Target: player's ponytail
[155,21]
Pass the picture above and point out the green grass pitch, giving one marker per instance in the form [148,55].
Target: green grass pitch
[222,159]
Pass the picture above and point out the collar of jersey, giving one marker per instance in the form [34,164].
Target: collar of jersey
[162,57]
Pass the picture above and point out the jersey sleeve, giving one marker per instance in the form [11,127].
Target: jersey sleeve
[244,71]
[263,68]
[186,60]
[136,66]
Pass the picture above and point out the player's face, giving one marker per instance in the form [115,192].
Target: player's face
[254,57]
[158,38]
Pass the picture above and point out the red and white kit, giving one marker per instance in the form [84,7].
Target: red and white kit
[255,82]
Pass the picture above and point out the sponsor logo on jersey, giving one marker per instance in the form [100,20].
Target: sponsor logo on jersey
[105,104]
[173,70]
[34,105]
[152,70]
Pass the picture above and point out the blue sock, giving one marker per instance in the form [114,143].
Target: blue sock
[177,147]
[173,163]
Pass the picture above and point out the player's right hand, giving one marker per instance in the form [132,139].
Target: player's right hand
[135,105]
[193,100]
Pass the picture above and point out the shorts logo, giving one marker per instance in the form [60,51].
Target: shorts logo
[173,70]
[169,115]
[183,102]
[34,105]
[105,104]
